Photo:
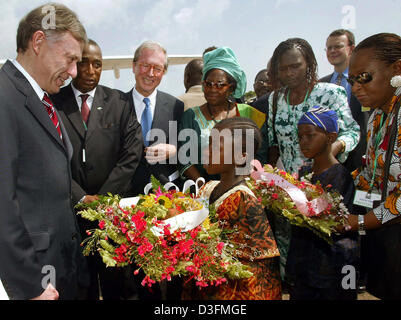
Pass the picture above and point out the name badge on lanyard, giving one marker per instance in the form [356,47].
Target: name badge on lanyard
[366,199]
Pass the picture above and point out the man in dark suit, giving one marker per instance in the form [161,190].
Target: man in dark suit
[158,113]
[158,117]
[339,47]
[107,143]
[39,238]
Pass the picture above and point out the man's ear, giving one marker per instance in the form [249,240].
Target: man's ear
[38,39]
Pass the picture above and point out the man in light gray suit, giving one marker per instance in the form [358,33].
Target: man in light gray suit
[39,238]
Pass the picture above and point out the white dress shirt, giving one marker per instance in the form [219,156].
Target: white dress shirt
[89,100]
[140,105]
[38,90]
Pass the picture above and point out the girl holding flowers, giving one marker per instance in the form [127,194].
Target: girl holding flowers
[240,214]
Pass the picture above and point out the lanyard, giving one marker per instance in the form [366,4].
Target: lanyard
[288,106]
[378,138]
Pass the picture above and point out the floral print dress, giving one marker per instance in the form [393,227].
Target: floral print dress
[239,211]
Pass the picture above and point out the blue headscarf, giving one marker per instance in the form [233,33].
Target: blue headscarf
[322,118]
[225,59]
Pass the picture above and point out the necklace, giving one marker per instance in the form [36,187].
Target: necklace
[211,114]
[289,109]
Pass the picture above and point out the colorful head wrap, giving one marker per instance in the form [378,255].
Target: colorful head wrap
[224,58]
[323,118]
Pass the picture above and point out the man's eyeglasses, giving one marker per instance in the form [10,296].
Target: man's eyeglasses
[145,67]
[361,78]
[216,85]
[335,48]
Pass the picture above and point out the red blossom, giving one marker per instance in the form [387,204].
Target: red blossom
[102,223]
[274,196]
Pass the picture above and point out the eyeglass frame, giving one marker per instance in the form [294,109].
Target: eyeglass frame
[157,69]
[207,84]
[359,78]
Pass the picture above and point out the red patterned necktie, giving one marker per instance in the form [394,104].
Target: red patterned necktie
[85,108]
[52,113]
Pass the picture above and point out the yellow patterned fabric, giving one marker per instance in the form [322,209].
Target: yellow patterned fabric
[391,207]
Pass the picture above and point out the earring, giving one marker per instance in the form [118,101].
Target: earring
[396,83]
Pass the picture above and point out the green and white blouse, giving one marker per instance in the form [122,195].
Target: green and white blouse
[326,95]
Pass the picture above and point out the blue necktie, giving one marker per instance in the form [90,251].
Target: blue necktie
[146,121]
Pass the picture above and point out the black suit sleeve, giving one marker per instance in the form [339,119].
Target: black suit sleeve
[130,154]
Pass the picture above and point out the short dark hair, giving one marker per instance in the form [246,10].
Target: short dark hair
[208,49]
[306,50]
[342,32]
[386,47]
[66,21]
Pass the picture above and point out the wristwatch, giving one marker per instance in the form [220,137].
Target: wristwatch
[361,225]
[343,146]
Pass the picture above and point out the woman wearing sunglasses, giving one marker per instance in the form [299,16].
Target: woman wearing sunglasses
[375,77]
[223,82]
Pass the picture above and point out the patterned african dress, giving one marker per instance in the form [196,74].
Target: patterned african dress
[391,207]
[195,120]
[239,210]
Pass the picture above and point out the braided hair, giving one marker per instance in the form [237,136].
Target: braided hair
[245,125]
[386,47]
[305,48]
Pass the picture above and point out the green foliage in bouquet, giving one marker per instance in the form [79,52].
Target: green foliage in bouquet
[277,200]
[127,235]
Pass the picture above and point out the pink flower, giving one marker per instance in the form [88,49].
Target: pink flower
[275,196]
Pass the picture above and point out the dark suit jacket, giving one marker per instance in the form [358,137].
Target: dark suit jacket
[354,159]
[262,103]
[112,143]
[37,222]
[168,112]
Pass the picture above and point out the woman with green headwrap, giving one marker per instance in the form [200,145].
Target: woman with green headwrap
[223,82]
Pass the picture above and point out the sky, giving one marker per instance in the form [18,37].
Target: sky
[251,28]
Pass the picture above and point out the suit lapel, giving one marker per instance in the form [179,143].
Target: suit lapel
[71,110]
[96,111]
[35,106]
[159,117]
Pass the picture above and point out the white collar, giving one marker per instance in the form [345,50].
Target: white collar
[35,86]
[152,97]
[77,93]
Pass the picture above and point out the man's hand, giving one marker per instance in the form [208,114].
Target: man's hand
[49,294]
[89,198]
[160,152]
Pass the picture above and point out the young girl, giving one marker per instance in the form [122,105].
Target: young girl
[239,211]
[314,266]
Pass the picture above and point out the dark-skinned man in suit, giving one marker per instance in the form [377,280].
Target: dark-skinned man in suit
[107,142]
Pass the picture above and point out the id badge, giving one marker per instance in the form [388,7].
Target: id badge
[366,199]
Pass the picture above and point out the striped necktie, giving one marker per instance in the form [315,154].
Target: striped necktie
[52,113]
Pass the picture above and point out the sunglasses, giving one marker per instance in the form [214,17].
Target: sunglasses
[362,78]
[216,85]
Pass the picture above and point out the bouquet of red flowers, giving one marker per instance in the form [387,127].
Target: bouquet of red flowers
[166,233]
[302,203]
